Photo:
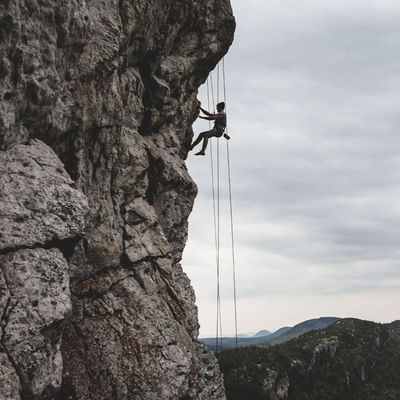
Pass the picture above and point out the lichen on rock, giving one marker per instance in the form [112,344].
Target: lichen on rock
[37,301]
[38,201]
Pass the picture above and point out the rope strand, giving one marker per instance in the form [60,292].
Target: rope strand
[218,243]
[232,242]
[215,180]
[231,211]
[218,336]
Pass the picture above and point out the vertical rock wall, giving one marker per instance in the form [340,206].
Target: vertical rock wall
[97,102]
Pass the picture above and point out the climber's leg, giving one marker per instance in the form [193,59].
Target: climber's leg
[204,136]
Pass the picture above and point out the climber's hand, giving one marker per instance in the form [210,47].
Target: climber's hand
[226,136]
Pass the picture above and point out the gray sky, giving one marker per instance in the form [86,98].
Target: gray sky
[313,94]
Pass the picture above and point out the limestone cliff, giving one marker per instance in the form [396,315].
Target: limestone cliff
[97,102]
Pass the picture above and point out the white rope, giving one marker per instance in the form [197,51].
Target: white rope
[231,212]
[216,211]
[216,208]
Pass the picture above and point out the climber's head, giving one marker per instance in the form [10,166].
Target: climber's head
[221,106]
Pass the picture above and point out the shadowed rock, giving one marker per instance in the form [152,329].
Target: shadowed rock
[110,88]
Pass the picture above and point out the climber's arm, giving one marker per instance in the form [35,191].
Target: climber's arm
[211,118]
[207,113]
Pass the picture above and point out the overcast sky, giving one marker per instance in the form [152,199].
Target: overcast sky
[313,95]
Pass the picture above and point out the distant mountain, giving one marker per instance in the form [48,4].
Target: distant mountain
[270,339]
[279,332]
[262,333]
[349,360]
[230,342]
[300,329]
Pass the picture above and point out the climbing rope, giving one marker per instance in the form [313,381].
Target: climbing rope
[218,335]
[216,208]
[230,210]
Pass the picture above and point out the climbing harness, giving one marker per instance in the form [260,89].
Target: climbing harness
[215,181]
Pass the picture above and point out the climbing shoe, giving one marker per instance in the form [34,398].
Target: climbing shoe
[200,153]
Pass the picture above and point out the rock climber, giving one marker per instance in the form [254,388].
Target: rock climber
[217,131]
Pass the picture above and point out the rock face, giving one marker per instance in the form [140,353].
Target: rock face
[41,216]
[97,102]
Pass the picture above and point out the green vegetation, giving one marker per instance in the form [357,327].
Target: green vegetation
[349,360]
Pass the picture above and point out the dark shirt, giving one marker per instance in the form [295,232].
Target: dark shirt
[220,122]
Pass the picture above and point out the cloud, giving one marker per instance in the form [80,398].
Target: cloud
[313,96]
